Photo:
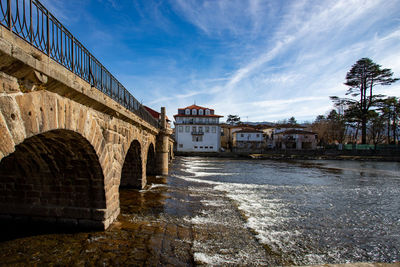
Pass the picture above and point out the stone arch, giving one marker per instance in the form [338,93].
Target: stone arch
[151,160]
[55,174]
[132,171]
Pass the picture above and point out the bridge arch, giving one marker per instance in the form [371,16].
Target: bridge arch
[132,170]
[55,174]
[151,160]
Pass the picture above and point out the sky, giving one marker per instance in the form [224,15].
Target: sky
[263,60]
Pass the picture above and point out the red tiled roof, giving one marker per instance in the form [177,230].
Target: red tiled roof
[211,115]
[196,107]
[154,113]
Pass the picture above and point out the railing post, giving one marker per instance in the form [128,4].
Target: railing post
[72,54]
[101,78]
[9,15]
[30,20]
[48,33]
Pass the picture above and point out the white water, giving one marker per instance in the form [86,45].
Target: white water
[307,214]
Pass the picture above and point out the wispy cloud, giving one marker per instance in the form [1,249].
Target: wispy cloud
[261,59]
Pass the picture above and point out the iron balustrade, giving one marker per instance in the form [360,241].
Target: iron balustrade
[32,22]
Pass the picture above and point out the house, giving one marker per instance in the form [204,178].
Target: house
[295,139]
[227,132]
[248,140]
[197,129]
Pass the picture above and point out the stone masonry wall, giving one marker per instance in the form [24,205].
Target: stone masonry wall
[24,115]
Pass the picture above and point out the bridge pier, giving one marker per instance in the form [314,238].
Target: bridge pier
[163,145]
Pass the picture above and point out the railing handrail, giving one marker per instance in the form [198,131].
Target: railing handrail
[32,22]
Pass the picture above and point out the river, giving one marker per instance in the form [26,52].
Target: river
[236,212]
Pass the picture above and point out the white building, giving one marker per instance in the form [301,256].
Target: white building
[197,129]
[248,139]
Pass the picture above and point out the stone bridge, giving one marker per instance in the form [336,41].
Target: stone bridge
[66,148]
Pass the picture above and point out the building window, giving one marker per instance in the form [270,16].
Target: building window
[180,145]
[187,111]
[180,129]
[194,129]
[213,120]
[207,120]
[195,147]
[207,112]
[207,129]
[197,138]
[194,112]
[201,147]
[187,129]
[200,129]
[241,135]
[201,112]
[213,129]
[211,147]
[258,135]
[201,120]
[206,147]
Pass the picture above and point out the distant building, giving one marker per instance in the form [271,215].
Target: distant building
[197,129]
[295,139]
[248,140]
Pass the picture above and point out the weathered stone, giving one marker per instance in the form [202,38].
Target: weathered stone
[60,113]
[8,83]
[28,110]
[6,141]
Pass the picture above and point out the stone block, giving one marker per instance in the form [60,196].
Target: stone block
[45,220]
[98,214]
[47,109]
[5,47]
[29,107]
[12,116]
[91,224]
[77,213]
[6,140]
[8,84]
[22,55]
[60,113]
[68,222]
[83,116]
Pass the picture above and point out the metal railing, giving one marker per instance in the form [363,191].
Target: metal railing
[31,21]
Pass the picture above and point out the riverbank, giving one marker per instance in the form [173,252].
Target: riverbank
[390,156]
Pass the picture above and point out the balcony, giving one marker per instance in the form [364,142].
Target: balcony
[197,133]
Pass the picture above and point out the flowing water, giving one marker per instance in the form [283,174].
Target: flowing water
[311,212]
[235,212]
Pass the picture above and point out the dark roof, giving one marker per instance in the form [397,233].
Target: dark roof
[287,125]
[295,132]
[248,130]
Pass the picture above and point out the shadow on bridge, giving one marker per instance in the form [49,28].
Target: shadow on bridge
[52,177]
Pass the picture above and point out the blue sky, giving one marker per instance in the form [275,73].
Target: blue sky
[262,60]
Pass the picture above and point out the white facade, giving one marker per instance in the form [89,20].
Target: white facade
[247,140]
[197,129]
[248,136]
